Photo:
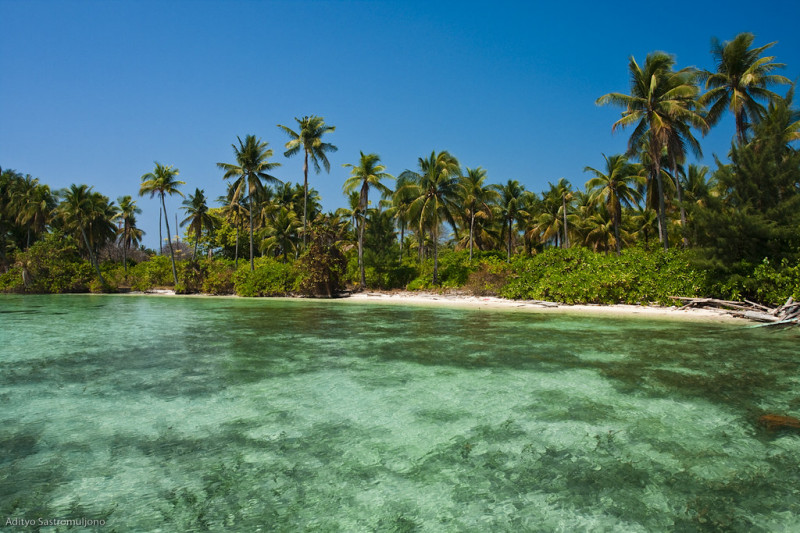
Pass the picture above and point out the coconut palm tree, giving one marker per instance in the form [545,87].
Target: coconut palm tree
[615,187]
[402,199]
[280,232]
[162,181]
[197,217]
[563,190]
[235,213]
[127,215]
[308,138]
[511,207]
[89,214]
[436,191]
[367,174]
[33,204]
[741,80]
[476,200]
[249,171]
[661,101]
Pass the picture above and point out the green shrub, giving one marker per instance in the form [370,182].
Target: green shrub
[270,278]
[218,276]
[50,265]
[578,275]
[155,272]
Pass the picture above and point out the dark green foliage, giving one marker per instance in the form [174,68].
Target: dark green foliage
[218,276]
[51,265]
[323,266]
[490,277]
[579,276]
[455,268]
[270,278]
[157,272]
[758,212]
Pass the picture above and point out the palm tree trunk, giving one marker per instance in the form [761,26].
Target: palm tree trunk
[662,208]
[196,239]
[508,248]
[471,232]
[402,235]
[361,250]
[169,241]
[305,197]
[617,216]
[125,248]
[680,204]
[252,268]
[435,235]
[160,237]
[236,254]
[91,256]
[564,209]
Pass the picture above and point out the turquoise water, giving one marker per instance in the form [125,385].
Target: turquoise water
[194,414]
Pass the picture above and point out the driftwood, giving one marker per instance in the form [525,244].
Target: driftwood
[787,314]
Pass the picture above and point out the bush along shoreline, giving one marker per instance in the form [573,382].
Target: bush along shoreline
[570,276]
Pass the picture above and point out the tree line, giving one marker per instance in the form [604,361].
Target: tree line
[734,216]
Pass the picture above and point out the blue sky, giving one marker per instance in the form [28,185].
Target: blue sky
[95,92]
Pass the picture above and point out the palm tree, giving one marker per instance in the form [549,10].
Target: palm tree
[741,80]
[250,169]
[615,187]
[510,207]
[661,102]
[127,214]
[197,217]
[162,181]
[309,139]
[235,213]
[280,232]
[476,199]
[563,189]
[367,174]
[33,204]
[88,213]
[402,199]
[436,190]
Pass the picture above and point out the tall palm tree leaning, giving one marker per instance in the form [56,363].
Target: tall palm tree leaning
[309,140]
[127,214]
[198,217]
[661,102]
[436,190]
[476,199]
[367,174]
[616,186]
[162,181]
[250,169]
[741,80]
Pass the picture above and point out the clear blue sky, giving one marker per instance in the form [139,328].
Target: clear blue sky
[95,92]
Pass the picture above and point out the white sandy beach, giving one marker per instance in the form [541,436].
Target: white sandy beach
[491,302]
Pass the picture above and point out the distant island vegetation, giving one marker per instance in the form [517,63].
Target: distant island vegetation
[645,226]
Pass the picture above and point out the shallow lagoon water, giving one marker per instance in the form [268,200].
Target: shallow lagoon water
[192,414]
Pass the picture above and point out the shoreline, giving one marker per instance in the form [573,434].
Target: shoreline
[465,301]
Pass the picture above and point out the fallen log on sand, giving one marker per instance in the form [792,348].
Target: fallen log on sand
[787,314]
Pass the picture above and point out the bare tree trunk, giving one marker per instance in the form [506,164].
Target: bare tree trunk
[305,198]
[361,250]
[252,268]
[160,237]
[169,241]
[91,256]
[435,235]
[471,232]
[680,204]
[564,209]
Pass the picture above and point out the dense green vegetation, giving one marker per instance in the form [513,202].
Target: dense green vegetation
[646,225]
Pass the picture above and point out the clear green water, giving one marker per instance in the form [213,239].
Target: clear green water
[187,414]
